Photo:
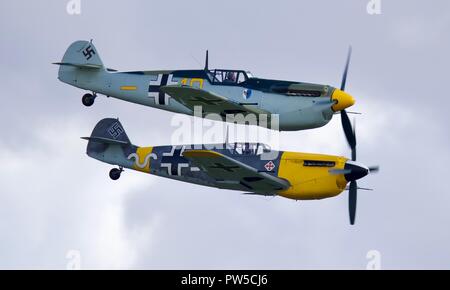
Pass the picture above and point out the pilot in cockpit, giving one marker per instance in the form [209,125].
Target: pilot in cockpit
[246,150]
[230,77]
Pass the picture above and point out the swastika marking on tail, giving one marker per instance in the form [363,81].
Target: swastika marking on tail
[88,52]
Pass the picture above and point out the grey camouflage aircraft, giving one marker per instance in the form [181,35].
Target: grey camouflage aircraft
[231,95]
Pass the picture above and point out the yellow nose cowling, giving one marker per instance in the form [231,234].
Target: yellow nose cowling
[342,99]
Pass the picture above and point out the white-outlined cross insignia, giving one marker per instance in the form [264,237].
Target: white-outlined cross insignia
[155,85]
[175,162]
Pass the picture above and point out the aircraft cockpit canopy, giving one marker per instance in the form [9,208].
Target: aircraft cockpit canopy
[230,77]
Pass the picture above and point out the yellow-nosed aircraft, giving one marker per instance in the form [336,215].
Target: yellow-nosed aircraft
[234,96]
[250,167]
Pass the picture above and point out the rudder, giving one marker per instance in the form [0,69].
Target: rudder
[110,128]
[107,132]
[80,54]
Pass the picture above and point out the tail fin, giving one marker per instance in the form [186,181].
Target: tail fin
[107,132]
[80,54]
[110,129]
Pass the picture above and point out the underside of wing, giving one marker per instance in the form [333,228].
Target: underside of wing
[232,174]
[210,102]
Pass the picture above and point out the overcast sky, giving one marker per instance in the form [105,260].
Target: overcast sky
[54,199]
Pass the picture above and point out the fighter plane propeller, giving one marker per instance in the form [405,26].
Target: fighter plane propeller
[354,171]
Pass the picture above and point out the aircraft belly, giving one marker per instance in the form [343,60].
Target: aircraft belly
[295,113]
[128,87]
[111,154]
[302,119]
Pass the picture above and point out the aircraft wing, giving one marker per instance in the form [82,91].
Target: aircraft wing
[211,102]
[232,174]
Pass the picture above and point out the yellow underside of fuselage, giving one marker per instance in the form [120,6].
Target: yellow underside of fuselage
[309,182]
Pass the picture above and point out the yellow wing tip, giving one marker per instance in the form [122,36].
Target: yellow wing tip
[202,153]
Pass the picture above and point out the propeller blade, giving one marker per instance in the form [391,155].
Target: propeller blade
[374,169]
[348,130]
[354,154]
[206,60]
[352,196]
[347,63]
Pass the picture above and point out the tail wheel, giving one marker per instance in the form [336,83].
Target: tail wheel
[88,100]
[114,173]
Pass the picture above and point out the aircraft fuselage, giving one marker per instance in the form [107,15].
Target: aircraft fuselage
[294,112]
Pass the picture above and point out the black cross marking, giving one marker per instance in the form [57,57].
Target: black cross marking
[155,89]
[224,167]
[88,52]
[174,161]
[206,101]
